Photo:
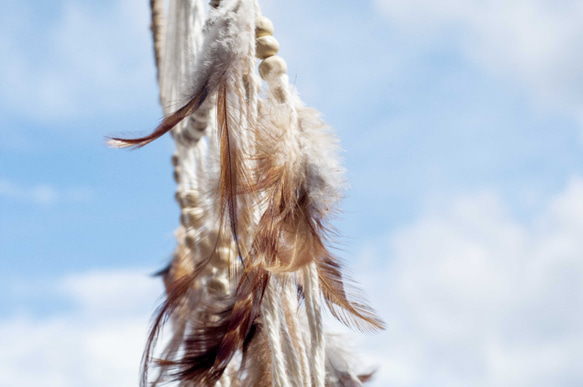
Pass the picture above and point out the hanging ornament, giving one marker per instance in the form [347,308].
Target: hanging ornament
[259,179]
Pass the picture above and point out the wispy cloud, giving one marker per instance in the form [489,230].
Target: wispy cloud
[43,194]
[96,343]
[78,61]
[538,44]
[473,297]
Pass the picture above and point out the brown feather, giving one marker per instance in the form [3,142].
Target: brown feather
[286,233]
[350,312]
[174,298]
[256,361]
[234,203]
[294,230]
[365,378]
[181,289]
[166,125]
[210,347]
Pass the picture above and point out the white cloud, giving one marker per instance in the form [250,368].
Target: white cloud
[88,59]
[97,343]
[538,43]
[473,297]
[43,194]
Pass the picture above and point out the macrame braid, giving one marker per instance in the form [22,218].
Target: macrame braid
[258,178]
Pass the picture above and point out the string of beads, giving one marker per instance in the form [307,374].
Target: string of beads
[267,48]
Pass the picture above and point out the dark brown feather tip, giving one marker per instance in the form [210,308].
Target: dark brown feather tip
[165,126]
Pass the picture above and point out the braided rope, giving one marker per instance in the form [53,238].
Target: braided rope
[314,312]
[157,27]
[296,367]
[272,321]
[291,365]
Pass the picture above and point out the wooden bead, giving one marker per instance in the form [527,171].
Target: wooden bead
[212,271]
[190,240]
[190,199]
[192,217]
[263,27]
[185,137]
[224,257]
[205,246]
[272,66]
[266,46]
[207,273]
[218,285]
[201,115]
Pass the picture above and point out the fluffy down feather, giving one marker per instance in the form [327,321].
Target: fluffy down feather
[223,58]
[300,181]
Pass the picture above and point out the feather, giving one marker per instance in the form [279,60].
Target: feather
[278,183]
[301,182]
[209,348]
[179,267]
[351,311]
[167,124]
[340,364]
[175,296]
[256,361]
[287,231]
[234,204]
[225,62]
[230,33]
[184,295]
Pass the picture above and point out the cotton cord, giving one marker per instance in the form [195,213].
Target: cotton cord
[273,70]
[293,366]
[273,328]
[157,27]
[294,349]
[292,312]
[176,46]
[314,314]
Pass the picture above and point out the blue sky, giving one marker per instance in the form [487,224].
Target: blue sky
[462,124]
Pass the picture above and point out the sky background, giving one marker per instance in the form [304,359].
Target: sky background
[462,124]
